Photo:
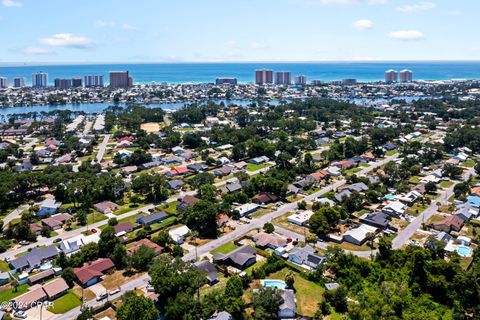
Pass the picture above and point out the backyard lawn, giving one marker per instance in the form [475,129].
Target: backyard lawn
[255,167]
[226,248]
[414,179]
[308,294]
[65,303]
[10,293]
[446,184]
[4,266]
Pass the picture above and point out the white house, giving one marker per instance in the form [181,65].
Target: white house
[300,218]
[358,235]
[246,208]
[74,244]
[179,234]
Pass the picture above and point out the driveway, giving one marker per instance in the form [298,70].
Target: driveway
[97,289]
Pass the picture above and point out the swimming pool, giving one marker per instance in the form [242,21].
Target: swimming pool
[279,284]
[46,266]
[464,251]
[389,196]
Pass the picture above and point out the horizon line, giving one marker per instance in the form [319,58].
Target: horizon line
[46,63]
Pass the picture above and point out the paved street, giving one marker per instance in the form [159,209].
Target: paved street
[102,148]
[404,235]
[254,224]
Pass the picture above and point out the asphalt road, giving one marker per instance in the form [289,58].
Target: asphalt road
[404,235]
[102,148]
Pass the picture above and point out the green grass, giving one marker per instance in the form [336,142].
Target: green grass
[307,293]
[226,248]
[351,171]
[65,303]
[469,163]
[391,152]
[446,184]
[4,266]
[171,207]
[9,294]
[416,209]
[255,167]
[414,179]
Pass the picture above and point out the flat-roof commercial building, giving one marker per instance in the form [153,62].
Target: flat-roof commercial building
[120,79]
[283,77]
[93,81]
[263,76]
[226,81]
[406,75]
[391,76]
[19,82]
[40,80]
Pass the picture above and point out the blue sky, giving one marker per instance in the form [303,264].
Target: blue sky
[62,31]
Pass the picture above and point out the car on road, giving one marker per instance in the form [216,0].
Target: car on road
[102,296]
[24,242]
[150,288]
[114,291]
[20,314]
[57,240]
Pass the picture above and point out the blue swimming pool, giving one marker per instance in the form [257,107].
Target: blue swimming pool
[279,284]
[464,251]
[390,196]
[46,266]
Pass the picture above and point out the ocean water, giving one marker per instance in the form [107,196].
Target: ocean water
[244,72]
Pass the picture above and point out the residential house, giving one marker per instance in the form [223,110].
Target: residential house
[106,207]
[209,269]
[395,208]
[55,222]
[41,277]
[33,296]
[197,167]
[4,278]
[359,234]
[264,198]
[265,240]
[240,258]
[287,310]
[300,218]
[92,272]
[246,209]
[259,160]
[145,242]
[175,184]
[343,165]
[55,289]
[74,244]
[223,315]
[376,219]
[148,219]
[232,187]
[223,171]
[186,202]
[305,257]
[123,228]
[448,224]
[34,258]
[179,234]
[48,207]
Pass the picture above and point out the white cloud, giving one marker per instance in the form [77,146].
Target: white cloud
[11,3]
[363,24]
[105,24]
[412,8]
[67,40]
[128,27]
[341,2]
[231,44]
[35,51]
[407,35]
[257,45]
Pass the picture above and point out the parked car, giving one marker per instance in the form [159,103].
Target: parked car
[94,230]
[24,242]
[150,288]
[114,291]
[20,314]
[57,240]
[102,296]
